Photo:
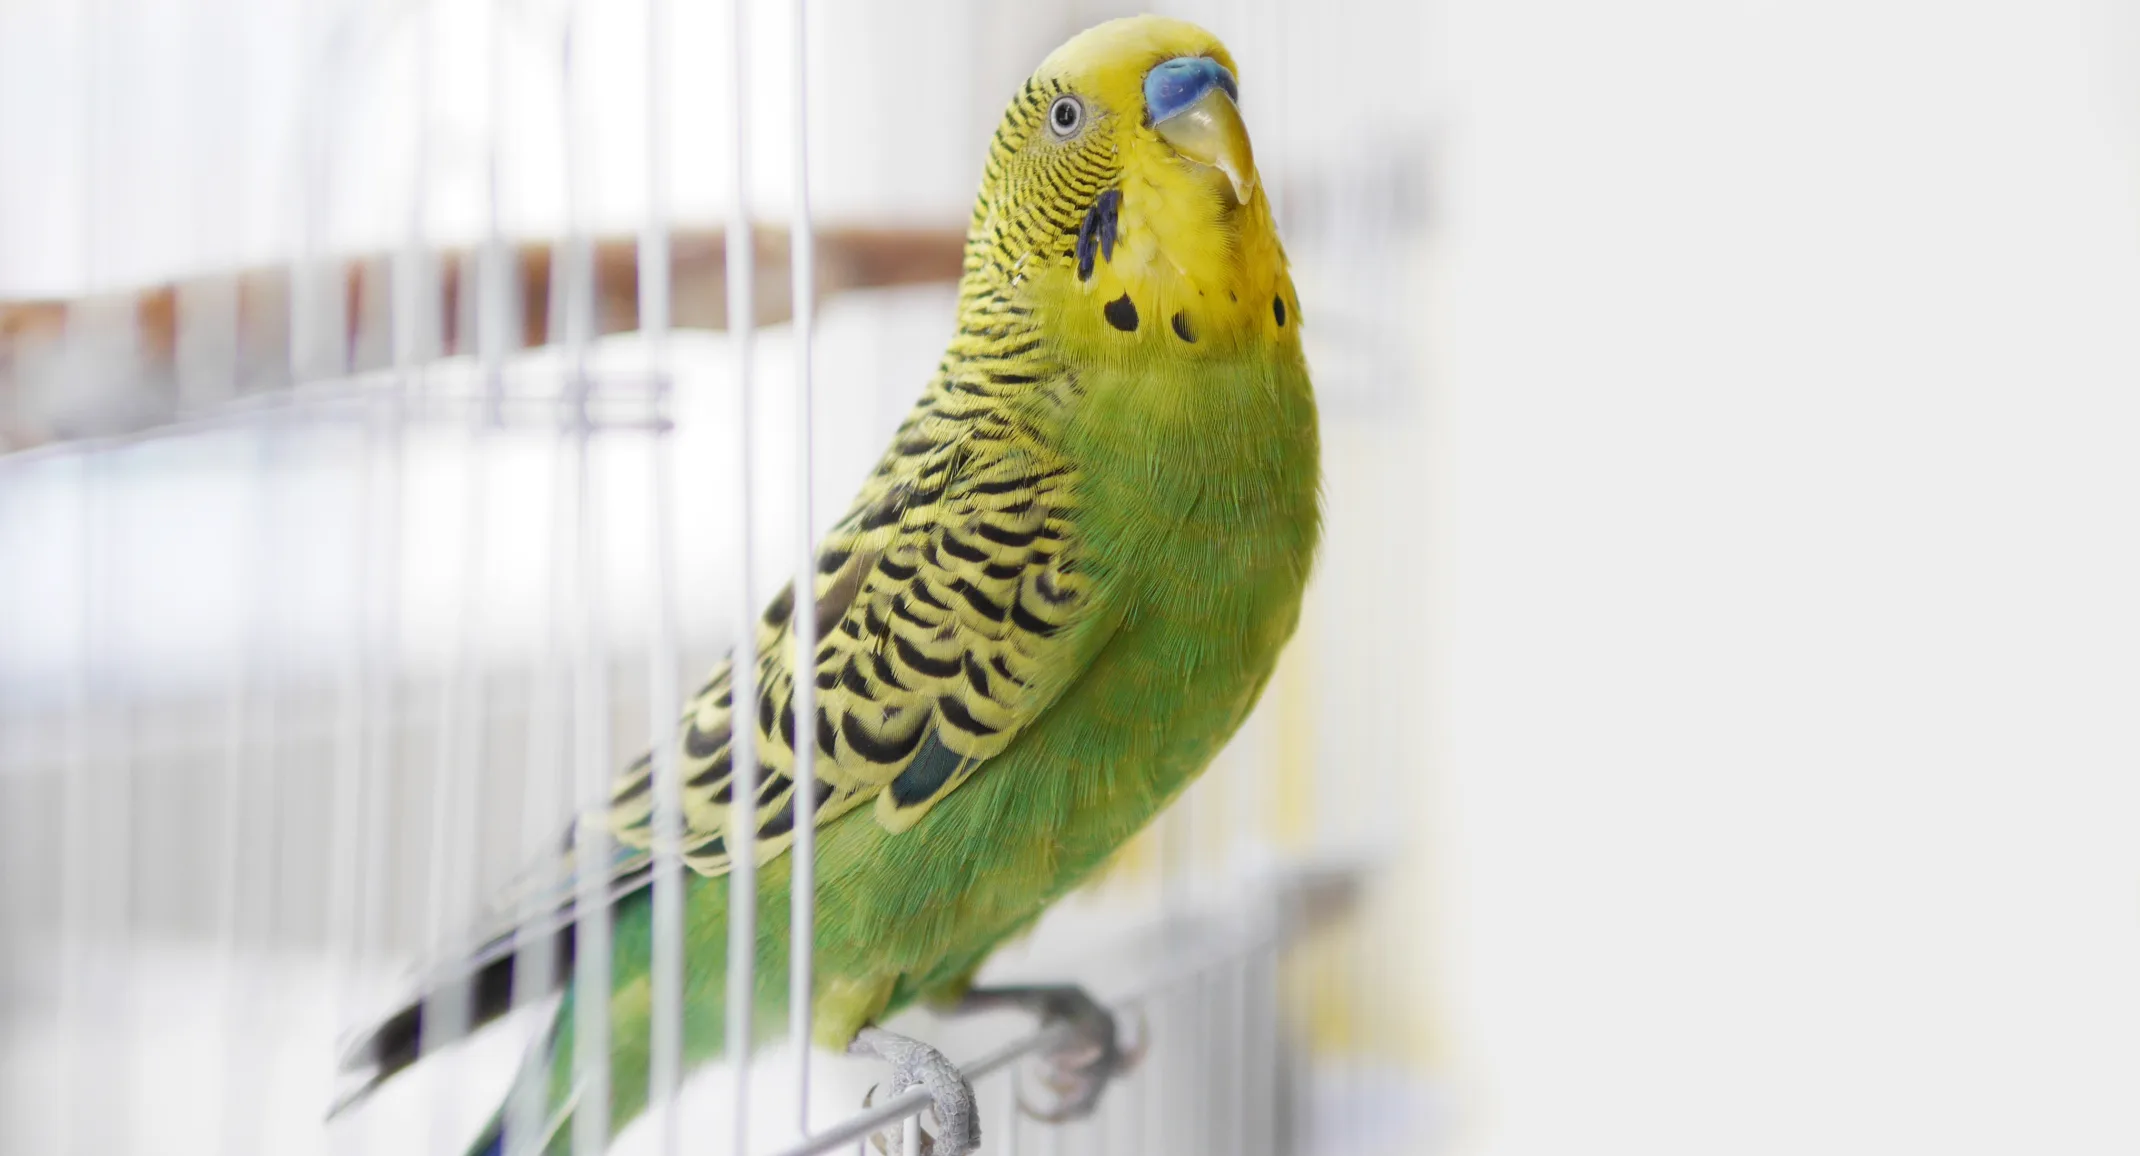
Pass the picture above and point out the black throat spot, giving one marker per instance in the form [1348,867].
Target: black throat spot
[1122,313]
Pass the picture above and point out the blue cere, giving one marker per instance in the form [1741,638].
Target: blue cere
[1180,82]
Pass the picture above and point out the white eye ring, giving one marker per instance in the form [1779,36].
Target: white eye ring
[1066,116]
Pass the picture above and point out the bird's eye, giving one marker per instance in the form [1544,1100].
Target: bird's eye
[1065,116]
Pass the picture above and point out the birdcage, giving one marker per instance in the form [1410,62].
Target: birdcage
[401,403]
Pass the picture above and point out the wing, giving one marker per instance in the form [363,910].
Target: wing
[951,611]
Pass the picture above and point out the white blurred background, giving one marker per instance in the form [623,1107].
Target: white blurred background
[1784,538]
[1730,606]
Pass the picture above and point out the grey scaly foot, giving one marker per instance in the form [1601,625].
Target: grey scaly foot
[917,1065]
[1079,1068]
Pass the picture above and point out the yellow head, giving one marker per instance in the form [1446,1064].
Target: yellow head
[1121,202]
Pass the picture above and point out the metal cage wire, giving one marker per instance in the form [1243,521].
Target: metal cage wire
[451,419]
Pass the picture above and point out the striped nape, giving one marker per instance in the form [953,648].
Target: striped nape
[1038,198]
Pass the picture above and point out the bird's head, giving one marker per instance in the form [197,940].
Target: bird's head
[1121,199]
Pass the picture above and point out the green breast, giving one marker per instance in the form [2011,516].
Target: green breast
[1199,522]
[1199,511]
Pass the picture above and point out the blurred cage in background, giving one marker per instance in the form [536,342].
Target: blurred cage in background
[381,468]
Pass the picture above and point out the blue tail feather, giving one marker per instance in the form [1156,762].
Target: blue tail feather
[534,1073]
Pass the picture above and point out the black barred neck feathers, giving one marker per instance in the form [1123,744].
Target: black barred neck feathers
[1103,237]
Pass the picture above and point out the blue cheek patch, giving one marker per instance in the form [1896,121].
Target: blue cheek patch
[1096,236]
[1178,83]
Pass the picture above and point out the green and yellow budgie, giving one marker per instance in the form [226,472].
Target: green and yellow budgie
[1059,593]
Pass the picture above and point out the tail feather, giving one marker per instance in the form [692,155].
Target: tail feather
[537,1116]
[494,989]
[527,1104]
[491,981]
[492,1141]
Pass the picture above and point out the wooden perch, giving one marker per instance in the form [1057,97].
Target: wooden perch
[94,365]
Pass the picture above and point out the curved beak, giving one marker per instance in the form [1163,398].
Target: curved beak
[1209,130]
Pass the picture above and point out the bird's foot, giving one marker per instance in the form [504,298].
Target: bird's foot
[917,1065]
[1090,1054]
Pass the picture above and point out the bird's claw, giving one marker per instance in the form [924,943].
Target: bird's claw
[917,1065]
[1078,1068]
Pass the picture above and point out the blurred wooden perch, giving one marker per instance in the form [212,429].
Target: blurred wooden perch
[98,365]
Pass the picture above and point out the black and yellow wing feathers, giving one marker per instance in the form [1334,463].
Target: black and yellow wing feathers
[944,603]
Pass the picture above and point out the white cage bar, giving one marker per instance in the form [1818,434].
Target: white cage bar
[743,668]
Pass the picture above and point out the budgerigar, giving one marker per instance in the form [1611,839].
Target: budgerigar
[1059,593]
